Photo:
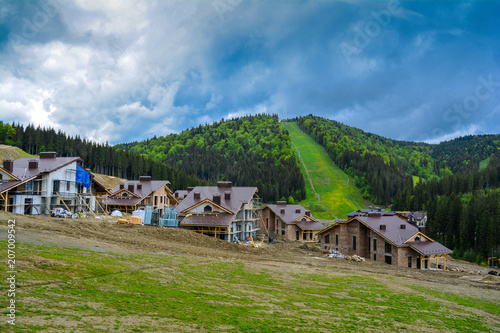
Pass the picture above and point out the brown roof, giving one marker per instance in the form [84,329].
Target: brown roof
[21,170]
[147,187]
[122,202]
[310,225]
[393,231]
[427,248]
[208,219]
[180,194]
[290,215]
[238,196]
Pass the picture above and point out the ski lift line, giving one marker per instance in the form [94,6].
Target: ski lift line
[310,181]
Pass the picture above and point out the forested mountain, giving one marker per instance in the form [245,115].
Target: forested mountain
[383,168]
[463,210]
[100,158]
[250,151]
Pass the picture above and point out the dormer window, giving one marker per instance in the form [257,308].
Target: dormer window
[124,195]
[303,219]
[207,209]
[417,239]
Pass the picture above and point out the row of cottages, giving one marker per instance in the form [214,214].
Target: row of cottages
[293,222]
[133,195]
[386,239]
[224,211]
[35,186]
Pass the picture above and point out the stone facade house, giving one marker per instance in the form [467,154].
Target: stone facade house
[386,239]
[291,221]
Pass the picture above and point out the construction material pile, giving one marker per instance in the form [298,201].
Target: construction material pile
[355,258]
[335,254]
[63,213]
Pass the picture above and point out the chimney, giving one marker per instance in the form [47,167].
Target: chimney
[216,198]
[122,186]
[281,202]
[297,211]
[176,194]
[139,186]
[48,154]
[282,211]
[8,164]
[33,164]
[145,178]
[403,226]
[190,189]
[227,195]
[308,213]
[374,214]
[382,227]
[197,195]
[131,187]
[224,184]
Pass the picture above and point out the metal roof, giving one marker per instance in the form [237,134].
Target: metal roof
[238,196]
[393,231]
[208,219]
[427,248]
[291,212]
[21,169]
[147,187]
[310,225]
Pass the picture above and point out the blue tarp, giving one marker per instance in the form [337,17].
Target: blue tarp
[82,177]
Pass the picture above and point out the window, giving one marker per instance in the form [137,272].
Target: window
[369,242]
[336,239]
[409,261]
[304,236]
[161,199]
[327,238]
[68,186]
[388,260]
[156,200]
[388,247]
[354,243]
[207,209]
[374,244]
[303,219]
[55,186]
[29,186]
[374,257]
[267,222]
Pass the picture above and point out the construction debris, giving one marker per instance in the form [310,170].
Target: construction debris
[63,213]
[335,254]
[355,258]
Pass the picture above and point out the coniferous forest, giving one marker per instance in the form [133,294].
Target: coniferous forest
[100,158]
[250,151]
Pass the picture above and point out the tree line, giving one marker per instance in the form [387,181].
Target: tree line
[249,151]
[100,158]
[462,211]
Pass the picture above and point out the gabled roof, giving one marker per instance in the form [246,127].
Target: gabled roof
[393,232]
[310,225]
[22,171]
[180,194]
[209,219]
[117,193]
[238,196]
[148,186]
[427,248]
[292,213]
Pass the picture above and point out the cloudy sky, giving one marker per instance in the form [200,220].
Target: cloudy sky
[120,71]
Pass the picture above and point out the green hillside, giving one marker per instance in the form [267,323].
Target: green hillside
[337,197]
[249,151]
[15,153]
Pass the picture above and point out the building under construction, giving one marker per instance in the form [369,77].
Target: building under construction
[37,186]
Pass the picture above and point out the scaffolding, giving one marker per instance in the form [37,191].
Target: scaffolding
[34,197]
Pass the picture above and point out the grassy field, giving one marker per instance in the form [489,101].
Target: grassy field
[328,180]
[12,152]
[72,290]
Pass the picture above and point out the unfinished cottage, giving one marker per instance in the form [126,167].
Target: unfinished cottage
[133,195]
[36,186]
[386,239]
[292,221]
[223,211]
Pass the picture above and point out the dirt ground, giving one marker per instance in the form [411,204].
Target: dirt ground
[105,235]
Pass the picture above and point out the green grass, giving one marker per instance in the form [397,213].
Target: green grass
[483,164]
[328,179]
[144,292]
